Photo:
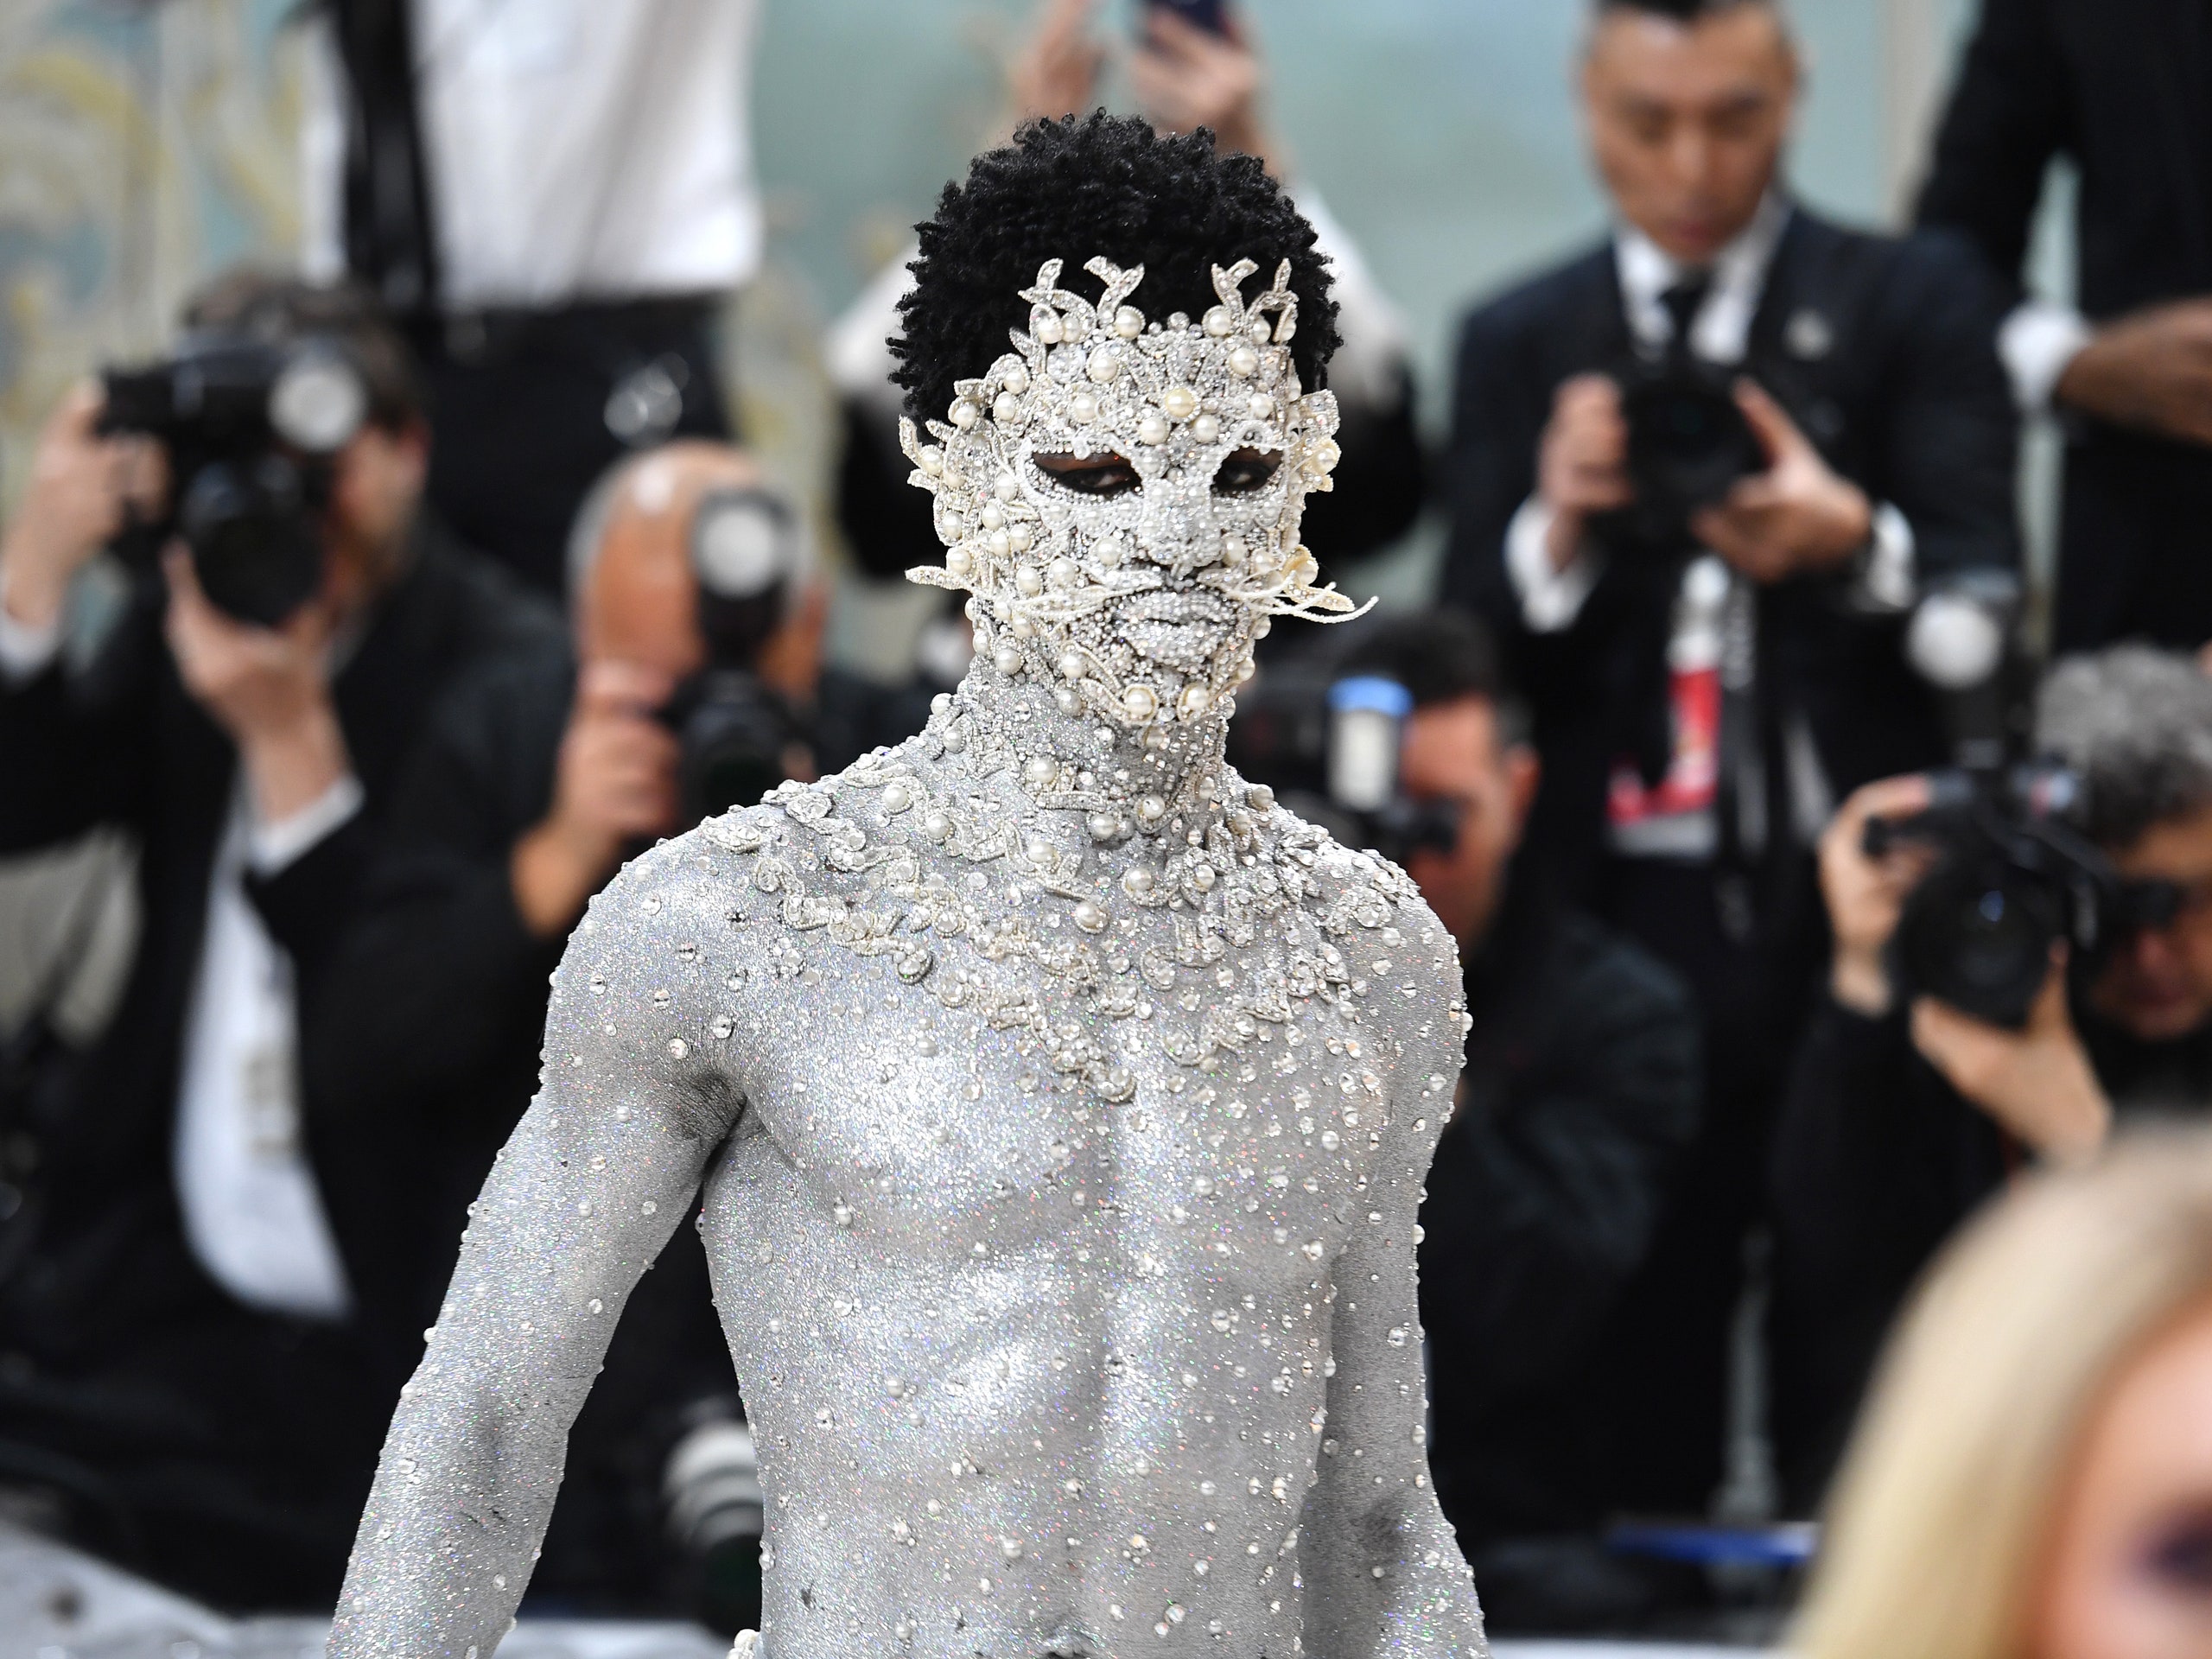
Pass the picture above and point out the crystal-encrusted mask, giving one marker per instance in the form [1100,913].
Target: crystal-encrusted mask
[1123,497]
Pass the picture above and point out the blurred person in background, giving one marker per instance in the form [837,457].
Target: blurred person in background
[1182,77]
[1711,665]
[1905,1113]
[695,629]
[2128,366]
[2033,1478]
[557,199]
[179,1357]
[1579,1101]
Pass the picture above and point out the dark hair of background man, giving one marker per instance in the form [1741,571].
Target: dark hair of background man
[255,303]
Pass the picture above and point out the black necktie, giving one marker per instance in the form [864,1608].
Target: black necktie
[390,242]
[1684,301]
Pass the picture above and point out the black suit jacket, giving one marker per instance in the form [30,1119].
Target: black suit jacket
[100,1251]
[1897,383]
[2123,87]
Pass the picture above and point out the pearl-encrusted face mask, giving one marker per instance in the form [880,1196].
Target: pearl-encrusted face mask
[1123,497]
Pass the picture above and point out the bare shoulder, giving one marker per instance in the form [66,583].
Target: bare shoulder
[1402,966]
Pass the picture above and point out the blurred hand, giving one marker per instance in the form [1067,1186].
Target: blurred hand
[1582,464]
[269,688]
[1057,74]
[1866,896]
[2151,370]
[82,486]
[2036,1084]
[616,783]
[1186,78]
[1797,515]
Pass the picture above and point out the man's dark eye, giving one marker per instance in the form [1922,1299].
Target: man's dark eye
[1246,471]
[1098,475]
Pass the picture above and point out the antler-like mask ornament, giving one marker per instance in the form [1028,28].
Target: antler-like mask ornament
[1135,591]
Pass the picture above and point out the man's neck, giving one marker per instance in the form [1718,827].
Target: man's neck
[1006,723]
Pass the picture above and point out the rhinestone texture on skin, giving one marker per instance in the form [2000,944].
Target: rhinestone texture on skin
[1054,1108]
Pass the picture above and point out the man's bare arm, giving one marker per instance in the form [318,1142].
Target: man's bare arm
[600,1173]
[1383,1573]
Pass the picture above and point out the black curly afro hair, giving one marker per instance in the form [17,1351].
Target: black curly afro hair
[1078,188]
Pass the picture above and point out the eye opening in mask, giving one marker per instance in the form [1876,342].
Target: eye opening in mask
[1102,473]
[1246,471]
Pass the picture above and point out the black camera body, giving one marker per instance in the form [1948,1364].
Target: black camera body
[1688,443]
[2012,880]
[738,737]
[1328,745]
[249,427]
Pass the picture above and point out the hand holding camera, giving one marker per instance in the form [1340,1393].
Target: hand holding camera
[1697,458]
[1582,466]
[2036,1082]
[1974,897]
[1798,515]
[616,783]
[268,688]
[84,486]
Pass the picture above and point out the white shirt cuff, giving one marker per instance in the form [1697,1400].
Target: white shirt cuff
[1890,580]
[26,652]
[274,848]
[2037,342]
[1550,598]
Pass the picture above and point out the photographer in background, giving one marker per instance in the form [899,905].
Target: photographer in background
[1578,1100]
[1183,77]
[695,630]
[1904,1113]
[1701,478]
[180,1368]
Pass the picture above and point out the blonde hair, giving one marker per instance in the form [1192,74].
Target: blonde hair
[1938,1522]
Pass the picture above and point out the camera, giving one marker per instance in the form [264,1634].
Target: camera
[739,739]
[249,426]
[1688,444]
[2011,880]
[1328,745]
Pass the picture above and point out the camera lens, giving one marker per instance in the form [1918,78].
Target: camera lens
[1994,937]
[253,546]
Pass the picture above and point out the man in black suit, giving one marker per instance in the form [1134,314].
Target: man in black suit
[2125,91]
[1705,686]
[181,1358]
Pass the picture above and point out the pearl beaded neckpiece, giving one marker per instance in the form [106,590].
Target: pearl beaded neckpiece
[1141,608]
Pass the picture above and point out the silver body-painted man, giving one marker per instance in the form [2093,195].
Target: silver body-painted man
[1060,1104]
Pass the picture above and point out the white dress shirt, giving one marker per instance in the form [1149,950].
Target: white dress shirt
[577,150]
[252,1213]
